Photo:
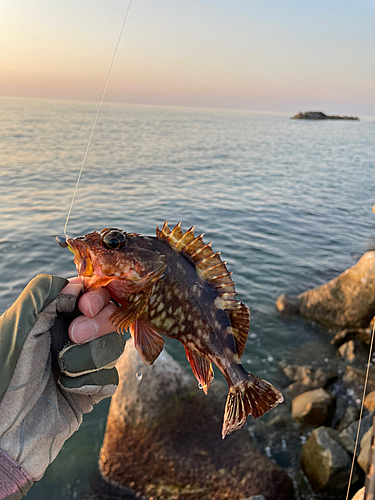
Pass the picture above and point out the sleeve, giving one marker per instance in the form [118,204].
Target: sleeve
[14,480]
[15,324]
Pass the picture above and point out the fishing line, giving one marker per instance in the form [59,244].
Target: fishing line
[360,413]
[96,116]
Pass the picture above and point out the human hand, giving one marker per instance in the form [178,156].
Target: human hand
[96,308]
[43,392]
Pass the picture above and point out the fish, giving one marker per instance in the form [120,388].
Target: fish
[174,285]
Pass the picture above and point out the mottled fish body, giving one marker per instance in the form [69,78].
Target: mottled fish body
[175,285]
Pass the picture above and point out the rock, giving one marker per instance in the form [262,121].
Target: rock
[365,448]
[325,463]
[351,415]
[347,301]
[287,304]
[370,401]
[363,335]
[347,351]
[319,115]
[308,376]
[360,495]
[163,439]
[355,377]
[314,407]
[348,436]
[255,497]
[353,351]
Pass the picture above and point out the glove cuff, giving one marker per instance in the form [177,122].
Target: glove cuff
[14,480]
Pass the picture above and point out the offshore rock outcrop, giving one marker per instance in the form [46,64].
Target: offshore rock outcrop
[319,115]
[163,439]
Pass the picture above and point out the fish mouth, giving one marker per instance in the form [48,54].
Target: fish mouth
[82,258]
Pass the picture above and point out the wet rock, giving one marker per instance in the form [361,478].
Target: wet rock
[325,463]
[354,378]
[351,415]
[255,497]
[306,378]
[353,351]
[348,436]
[347,301]
[363,335]
[370,401]
[287,304]
[163,439]
[365,448]
[347,351]
[315,407]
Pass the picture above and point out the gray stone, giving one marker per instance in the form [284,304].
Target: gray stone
[351,415]
[163,439]
[348,435]
[254,497]
[325,463]
[347,301]
[314,407]
[306,377]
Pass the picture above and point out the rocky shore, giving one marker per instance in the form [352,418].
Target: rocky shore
[325,401]
[319,115]
[163,441]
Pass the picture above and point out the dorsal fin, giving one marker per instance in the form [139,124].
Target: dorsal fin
[213,270]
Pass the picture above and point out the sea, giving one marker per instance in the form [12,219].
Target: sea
[287,202]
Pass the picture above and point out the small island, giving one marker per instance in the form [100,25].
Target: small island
[319,115]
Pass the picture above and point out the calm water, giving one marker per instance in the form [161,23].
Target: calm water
[287,202]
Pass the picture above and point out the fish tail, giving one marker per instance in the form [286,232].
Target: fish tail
[253,396]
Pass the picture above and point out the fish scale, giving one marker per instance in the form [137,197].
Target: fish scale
[174,285]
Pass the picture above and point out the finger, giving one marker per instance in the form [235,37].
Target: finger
[83,329]
[92,302]
[74,287]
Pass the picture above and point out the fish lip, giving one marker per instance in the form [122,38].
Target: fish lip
[81,256]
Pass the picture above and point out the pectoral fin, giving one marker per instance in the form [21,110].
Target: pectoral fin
[147,341]
[125,315]
[202,368]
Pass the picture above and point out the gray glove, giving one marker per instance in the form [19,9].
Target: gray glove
[43,392]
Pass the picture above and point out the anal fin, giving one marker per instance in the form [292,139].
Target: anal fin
[202,368]
[147,341]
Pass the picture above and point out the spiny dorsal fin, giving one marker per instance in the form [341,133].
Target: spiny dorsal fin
[213,270]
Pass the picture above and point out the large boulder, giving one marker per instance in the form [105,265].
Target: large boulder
[325,463]
[314,407]
[347,301]
[163,439]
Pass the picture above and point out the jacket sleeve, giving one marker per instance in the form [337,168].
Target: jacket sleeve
[14,480]
[15,324]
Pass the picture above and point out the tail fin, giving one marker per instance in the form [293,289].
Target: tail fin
[253,396]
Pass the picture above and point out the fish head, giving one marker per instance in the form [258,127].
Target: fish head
[115,259]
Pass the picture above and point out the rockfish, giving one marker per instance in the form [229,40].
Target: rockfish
[175,285]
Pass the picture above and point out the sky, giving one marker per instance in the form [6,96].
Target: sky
[274,55]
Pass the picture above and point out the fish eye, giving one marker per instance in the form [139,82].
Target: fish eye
[114,240]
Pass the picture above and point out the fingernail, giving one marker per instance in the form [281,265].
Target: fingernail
[84,331]
[96,304]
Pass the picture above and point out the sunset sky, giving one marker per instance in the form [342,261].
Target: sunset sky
[274,55]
